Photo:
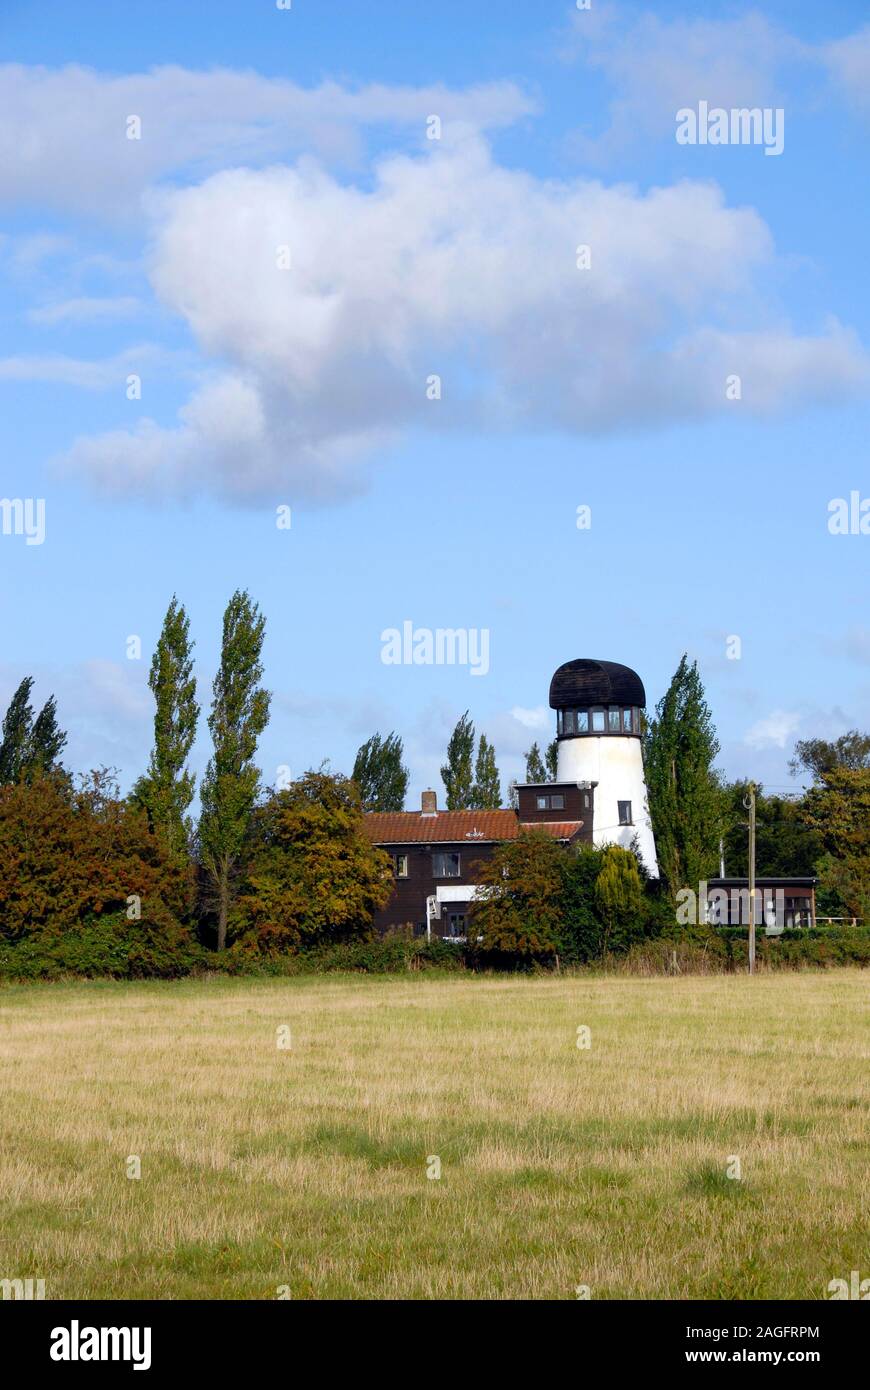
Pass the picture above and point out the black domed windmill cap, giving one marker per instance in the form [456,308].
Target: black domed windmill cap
[586,682]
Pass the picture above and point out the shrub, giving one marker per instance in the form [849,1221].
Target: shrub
[391,954]
[727,951]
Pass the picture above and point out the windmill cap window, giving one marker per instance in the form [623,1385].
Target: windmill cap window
[621,721]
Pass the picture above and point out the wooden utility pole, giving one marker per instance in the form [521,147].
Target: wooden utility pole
[749,803]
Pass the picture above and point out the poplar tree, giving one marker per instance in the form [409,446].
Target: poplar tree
[535,770]
[239,714]
[486,792]
[17,727]
[683,791]
[28,746]
[379,774]
[167,788]
[47,740]
[552,758]
[457,772]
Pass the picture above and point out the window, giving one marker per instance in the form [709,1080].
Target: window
[456,926]
[557,802]
[583,721]
[543,803]
[613,720]
[568,726]
[445,865]
[586,801]
[625,813]
[626,721]
[560,721]
[400,865]
[598,721]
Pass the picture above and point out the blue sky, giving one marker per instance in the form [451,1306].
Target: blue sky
[561,387]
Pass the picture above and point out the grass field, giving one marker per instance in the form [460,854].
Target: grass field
[306,1167]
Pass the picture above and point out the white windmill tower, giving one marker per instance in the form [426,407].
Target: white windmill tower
[598,706]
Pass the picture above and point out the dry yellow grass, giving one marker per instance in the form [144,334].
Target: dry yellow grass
[307,1167]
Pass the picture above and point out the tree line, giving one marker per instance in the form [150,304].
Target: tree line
[92,879]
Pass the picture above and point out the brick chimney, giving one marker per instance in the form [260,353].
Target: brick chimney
[429,803]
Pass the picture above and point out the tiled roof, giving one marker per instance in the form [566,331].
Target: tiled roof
[410,827]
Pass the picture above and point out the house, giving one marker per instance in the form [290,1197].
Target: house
[436,854]
[780,903]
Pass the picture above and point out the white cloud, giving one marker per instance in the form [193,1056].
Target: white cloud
[85,309]
[449,264]
[27,253]
[539,718]
[96,375]
[656,66]
[848,62]
[776,730]
[63,132]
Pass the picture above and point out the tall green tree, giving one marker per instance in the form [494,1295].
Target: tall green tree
[239,714]
[29,746]
[47,740]
[535,769]
[551,757]
[838,811]
[17,729]
[486,792]
[542,769]
[379,774]
[167,788]
[683,790]
[457,773]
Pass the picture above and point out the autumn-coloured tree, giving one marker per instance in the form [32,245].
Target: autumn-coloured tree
[313,875]
[73,859]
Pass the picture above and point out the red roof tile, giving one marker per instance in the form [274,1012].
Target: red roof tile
[410,827]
